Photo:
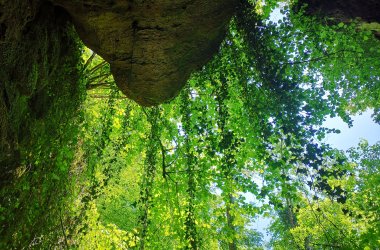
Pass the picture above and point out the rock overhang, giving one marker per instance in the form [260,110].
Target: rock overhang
[152,46]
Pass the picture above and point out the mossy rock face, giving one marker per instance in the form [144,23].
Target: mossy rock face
[40,94]
[152,46]
[39,56]
[367,13]
[344,10]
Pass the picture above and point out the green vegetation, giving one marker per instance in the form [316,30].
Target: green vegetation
[40,93]
[242,142]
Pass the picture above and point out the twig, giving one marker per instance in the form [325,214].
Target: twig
[99,77]
[97,67]
[107,97]
[96,85]
[89,60]
[63,229]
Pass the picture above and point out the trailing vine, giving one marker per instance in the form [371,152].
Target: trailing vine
[149,173]
[190,226]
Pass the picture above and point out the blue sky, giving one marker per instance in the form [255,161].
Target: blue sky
[363,128]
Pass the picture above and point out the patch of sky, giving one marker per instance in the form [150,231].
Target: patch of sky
[363,128]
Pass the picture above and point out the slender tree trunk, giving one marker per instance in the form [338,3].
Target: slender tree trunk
[230,223]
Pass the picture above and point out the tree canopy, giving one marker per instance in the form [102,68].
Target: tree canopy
[241,143]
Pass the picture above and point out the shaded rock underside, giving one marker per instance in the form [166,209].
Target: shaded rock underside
[152,46]
[39,55]
[367,12]
[345,9]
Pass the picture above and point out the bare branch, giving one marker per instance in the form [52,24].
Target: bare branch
[97,85]
[99,77]
[107,97]
[97,67]
[89,60]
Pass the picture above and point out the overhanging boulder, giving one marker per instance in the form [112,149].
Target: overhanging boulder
[152,46]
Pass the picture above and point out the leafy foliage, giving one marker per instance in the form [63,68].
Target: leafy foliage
[241,143]
[41,91]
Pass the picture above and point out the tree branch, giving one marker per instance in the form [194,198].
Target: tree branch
[89,60]
[317,58]
[97,67]
[107,97]
[96,85]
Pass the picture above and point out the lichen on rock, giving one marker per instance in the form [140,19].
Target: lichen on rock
[152,46]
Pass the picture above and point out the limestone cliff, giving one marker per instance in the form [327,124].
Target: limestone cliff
[154,45]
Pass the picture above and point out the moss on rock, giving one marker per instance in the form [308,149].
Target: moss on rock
[40,92]
[152,46]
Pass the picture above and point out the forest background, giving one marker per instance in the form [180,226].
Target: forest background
[243,141]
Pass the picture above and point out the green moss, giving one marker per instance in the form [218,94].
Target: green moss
[40,94]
